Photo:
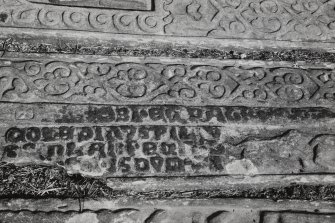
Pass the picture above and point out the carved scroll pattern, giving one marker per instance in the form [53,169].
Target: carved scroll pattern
[312,20]
[21,13]
[59,81]
[255,19]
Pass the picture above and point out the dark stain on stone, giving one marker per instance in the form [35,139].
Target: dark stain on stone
[3,17]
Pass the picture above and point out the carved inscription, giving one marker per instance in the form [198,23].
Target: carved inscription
[166,150]
[152,140]
[113,4]
[293,20]
[115,83]
[161,115]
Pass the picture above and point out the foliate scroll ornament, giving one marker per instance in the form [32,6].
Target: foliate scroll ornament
[42,16]
[174,83]
[58,79]
[133,81]
[291,20]
[213,82]
[326,81]
[12,86]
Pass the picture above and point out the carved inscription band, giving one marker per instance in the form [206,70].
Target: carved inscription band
[168,140]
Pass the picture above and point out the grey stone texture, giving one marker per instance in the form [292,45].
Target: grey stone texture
[167,211]
[192,98]
[291,20]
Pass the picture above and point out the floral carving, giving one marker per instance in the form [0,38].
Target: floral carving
[131,82]
[293,20]
[253,19]
[165,83]
[288,86]
[57,80]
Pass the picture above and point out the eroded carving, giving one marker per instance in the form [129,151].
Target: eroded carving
[60,81]
[35,15]
[163,150]
[293,20]
[277,20]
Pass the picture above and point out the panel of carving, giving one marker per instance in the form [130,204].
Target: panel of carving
[168,140]
[255,19]
[178,83]
[208,212]
[292,20]
[21,13]
[129,215]
[112,4]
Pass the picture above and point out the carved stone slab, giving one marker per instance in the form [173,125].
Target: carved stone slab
[112,4]
[131,216]
[102,116]
[170,81]
[164,211]
[189,99]
[291,20]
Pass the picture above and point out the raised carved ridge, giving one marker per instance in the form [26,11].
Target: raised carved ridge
[291,20]
[20,13]
[171,214]
[112,4]
[166,82]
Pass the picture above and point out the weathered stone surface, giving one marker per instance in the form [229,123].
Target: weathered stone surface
[291,217]
[223,211]
[160,216]
[104,140]
[188,99]
[253,19]
[280,132]
[157,81]
[112,4]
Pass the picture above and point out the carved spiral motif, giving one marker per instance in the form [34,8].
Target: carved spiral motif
[24,16]
[290,89]
[32,68]
[212,83]
[140,82]
[49,17]
[131,82]
[100,20]
[57,80]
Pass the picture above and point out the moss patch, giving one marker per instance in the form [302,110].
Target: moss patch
[53,182]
